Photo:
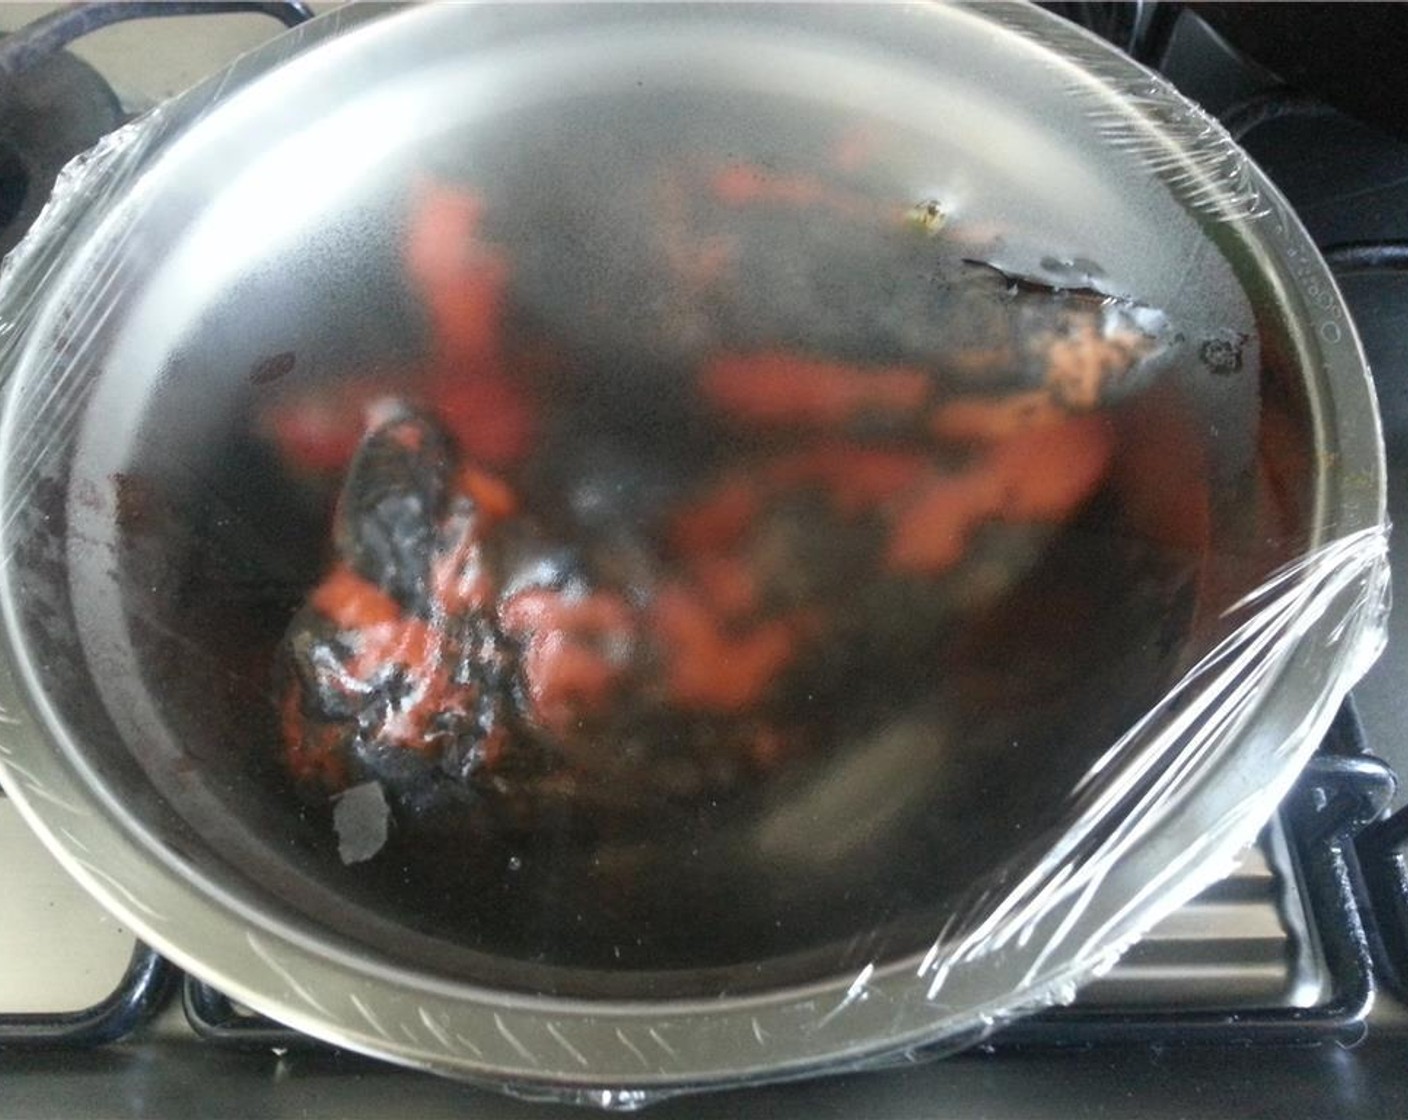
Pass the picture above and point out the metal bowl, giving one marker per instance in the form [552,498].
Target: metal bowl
[152,556]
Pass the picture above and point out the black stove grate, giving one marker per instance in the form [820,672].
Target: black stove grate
[1383,848]
[139,995]
[216,1018]
[1342,790]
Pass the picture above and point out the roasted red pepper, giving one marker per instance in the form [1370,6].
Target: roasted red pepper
[462,640]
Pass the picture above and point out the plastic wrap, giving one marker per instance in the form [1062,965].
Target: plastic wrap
[1062,531]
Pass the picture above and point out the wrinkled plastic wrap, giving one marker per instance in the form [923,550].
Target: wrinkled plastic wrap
[562,548]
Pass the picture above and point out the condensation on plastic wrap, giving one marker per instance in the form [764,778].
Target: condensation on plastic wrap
[864,566]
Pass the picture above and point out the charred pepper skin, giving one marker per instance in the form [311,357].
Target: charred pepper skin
[394,670]
[392,502]
[420,660]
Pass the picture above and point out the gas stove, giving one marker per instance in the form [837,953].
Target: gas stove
[1281,983]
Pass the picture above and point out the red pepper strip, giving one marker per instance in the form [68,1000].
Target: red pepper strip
[489,418]
[382,637]
[775,387]
[1042,474]
[460,579]
[462,280]
[710,669]
[319,430]
[493,499]
[697,261]
[855,477]
[351,602]
[978,420]
[745,185]
[312,751]
[464,283]
[1048,472]
[575,651]
[727,583]
[420,651]
[719,520]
